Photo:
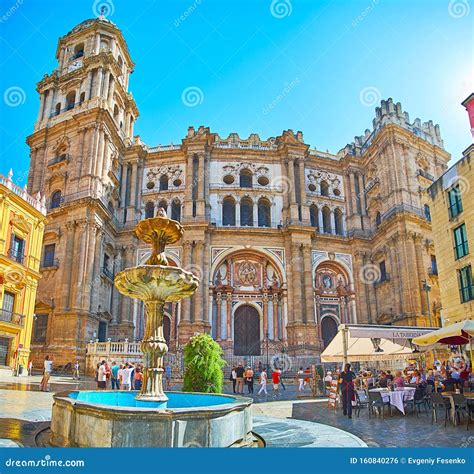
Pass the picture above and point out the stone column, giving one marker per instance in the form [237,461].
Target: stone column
[229,316]
[362,195]
[413,281]
[186,302]
[105,94]
[100,154]
[255,214]
[352,191]
[188,196]
[297,269]
[291,176]
[276,335]
[237,213]
[304,207]
[308,284]
[67,265]
[421,273]
[320,220]
[41,107]
[100,78]
[265,315]
[397,286]
[218,316]
[333,222]
[198,296]
[86,232]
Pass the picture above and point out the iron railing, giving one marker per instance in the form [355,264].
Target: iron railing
[13,318]
[17,255]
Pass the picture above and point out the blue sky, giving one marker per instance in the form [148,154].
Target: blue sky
[316,57]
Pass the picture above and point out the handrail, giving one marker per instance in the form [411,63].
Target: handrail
[11,317]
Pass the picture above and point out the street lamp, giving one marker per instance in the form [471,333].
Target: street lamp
[427,288]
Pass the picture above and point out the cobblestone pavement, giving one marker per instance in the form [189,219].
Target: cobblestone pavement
[396,431]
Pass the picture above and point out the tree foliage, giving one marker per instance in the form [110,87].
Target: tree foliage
[203,365]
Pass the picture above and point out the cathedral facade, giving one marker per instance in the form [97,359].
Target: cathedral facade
[288,241]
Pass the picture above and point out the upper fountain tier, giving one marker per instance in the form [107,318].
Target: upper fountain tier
[156,280]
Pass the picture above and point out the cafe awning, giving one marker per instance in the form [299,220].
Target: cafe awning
[365,342]
[454,334]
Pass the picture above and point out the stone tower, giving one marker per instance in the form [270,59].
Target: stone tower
[79,161]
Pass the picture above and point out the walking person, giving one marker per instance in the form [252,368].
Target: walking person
[102,376]
[47,369]
[75,374]
[239,371]
[300,376]
[233,378]
[114,376]
[119,376]
[30,367]
[249,379]
[347,389]
[281,379]
[276,382]
[263,382]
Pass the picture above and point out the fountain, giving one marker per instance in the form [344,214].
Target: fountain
[152,418]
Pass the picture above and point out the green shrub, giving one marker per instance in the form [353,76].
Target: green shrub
[203,365]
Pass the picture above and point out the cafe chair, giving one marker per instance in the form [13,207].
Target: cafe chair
[362,401]
[460,407]
[376,401]
[438,402]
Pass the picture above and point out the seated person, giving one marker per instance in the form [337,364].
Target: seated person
[450,384]
[383,380]
[398,381]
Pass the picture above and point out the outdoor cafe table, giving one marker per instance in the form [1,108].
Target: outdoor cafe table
[396,397]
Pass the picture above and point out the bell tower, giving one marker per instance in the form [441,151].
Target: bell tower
[79,162]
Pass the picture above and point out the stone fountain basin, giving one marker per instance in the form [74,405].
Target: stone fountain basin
[117,419]
[156,282]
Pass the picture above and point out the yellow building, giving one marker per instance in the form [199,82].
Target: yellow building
[22,221]
[452,215]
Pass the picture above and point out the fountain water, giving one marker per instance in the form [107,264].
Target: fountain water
[152,418]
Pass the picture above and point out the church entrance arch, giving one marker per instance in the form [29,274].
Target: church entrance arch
[246,331]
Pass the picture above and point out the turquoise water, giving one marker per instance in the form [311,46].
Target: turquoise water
[127,399]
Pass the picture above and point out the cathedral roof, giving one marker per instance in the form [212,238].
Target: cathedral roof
[87,23]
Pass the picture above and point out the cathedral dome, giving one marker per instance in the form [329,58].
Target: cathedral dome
[91,21]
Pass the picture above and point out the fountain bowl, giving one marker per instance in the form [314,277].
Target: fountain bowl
[118,419]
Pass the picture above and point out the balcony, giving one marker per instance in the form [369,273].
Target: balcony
[59,159]
[12,318]
[425,175]
[17,255]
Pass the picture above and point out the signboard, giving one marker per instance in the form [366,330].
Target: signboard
[333,392]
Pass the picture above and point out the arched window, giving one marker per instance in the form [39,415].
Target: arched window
[264,213]
[246,212]
[78,51]
[378,219]
[70,100]
[57,109]
[55,199]
[164,205]
[176,210]
[228,211]
[324,187]
[338,216]
[149,210]
[163,183]
[245,179]
[313,215]
[326,220]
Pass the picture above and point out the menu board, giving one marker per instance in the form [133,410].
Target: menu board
[333,392]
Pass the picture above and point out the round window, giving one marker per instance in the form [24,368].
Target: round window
[229,179]
[177,183]
[312,187]
[150,185]
[337,192]
[263,181]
